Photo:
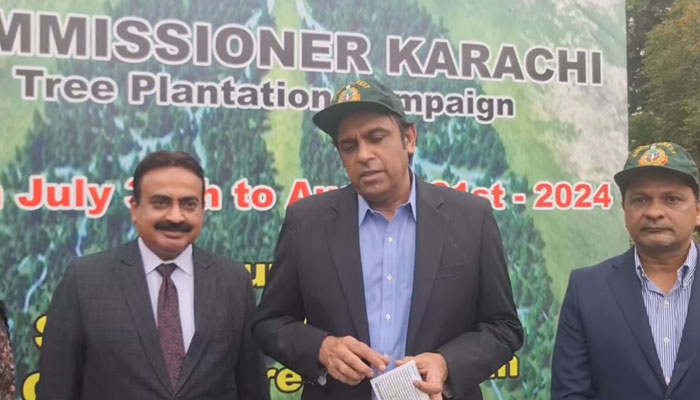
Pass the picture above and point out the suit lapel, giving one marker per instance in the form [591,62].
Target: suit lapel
[344,240]
[204,298]
[133,282]
[690,341]
[431,229]
[626,290]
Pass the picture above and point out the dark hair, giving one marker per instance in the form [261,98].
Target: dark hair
[164,159]
[403,124]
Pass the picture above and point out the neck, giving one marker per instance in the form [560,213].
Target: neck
[668,260]
[388,207]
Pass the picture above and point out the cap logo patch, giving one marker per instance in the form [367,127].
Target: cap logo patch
[654,156]
[350,92]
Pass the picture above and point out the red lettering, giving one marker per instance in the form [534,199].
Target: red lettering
[300,189]
[212,197]
[58,196]
[35,198]
[240,192]
[263,197]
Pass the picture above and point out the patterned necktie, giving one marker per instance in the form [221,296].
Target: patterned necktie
[169,326]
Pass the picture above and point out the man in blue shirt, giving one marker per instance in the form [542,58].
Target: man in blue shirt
[629,326]
[387,269]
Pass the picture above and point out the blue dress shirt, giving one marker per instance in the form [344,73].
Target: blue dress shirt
[388,250]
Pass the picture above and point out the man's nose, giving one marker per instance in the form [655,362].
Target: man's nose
[655,209]
[364,152]
[175,214]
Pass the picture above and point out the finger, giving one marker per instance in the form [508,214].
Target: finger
[351,360]
[372,356]
[344,379]
[376,359]
[346,374]
[428,387]
[405,360]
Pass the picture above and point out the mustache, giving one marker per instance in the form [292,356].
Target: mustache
[169,226]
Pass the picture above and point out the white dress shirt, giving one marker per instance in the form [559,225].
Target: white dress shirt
[183,278]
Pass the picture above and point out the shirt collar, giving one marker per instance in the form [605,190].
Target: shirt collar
[151,261]
[363,207]
[685,272]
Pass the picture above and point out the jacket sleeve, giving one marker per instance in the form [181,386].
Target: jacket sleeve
[279,327]
[62,355]
[250,370]
[474,355]
[571,374]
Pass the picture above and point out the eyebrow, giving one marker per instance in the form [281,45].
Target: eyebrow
[164,197]
[663,193]
[375,130]
[188,198]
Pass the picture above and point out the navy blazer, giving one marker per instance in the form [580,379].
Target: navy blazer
[605,349]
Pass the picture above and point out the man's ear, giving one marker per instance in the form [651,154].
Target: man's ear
[133,204]
[411,139]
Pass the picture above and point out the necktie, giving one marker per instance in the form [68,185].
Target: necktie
[169,326]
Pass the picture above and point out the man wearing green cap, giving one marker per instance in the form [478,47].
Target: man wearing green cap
[386,270]
[630,326]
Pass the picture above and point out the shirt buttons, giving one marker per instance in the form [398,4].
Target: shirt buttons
[666,303]
[388,317]
[666,340]
[390,239]
[668,380]
[389,277]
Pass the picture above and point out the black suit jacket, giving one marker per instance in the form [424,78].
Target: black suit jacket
[101,340]
[605,349]
[462,303]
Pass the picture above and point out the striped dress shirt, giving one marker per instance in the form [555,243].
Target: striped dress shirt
[387,251]
[667,312]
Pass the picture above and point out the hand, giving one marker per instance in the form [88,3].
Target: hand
[344,358]
[433,369]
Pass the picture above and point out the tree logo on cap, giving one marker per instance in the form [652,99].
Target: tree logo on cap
[655,156]
[349,94]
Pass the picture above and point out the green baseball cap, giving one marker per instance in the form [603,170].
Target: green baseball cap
[665,156]
[366,94]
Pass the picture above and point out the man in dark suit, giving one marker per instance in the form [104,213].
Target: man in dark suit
[157,318]
[386,270]
[629,326]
